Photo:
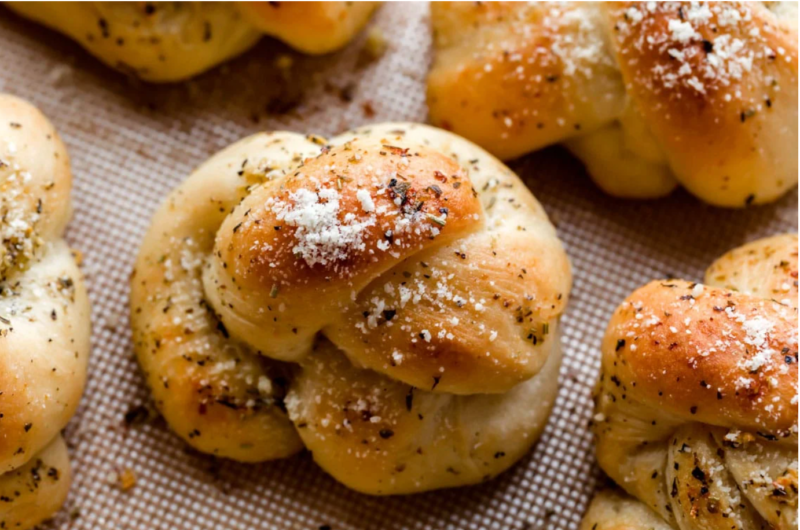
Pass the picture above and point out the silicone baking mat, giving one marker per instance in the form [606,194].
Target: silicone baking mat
[131,143]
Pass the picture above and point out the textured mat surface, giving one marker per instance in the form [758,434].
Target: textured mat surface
[131,143]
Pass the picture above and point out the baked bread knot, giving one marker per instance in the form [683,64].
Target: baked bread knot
[413,278]
[696,407]
[44,317]
[172,41]
[648,95]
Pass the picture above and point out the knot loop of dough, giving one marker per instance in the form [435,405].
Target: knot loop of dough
[397,260]
[44,317]
[697,399]
[647,94]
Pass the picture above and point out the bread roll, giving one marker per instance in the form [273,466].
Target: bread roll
[397,268]
[648,94]
[44,316]
[696,413]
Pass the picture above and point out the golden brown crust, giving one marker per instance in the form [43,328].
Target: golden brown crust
[706,354]
[715,85]
[505,77]
[261,236]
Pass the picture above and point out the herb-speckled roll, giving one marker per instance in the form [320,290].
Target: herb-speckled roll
[44,317]
[696,414]
[649,95]
[389,298]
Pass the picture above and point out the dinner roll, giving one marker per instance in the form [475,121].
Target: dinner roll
[648,94]
[398,265]
[696,414]
[44,316]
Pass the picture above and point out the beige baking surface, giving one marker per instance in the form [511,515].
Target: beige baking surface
[131,143]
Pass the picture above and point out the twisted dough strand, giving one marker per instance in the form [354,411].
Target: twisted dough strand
[215,392]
